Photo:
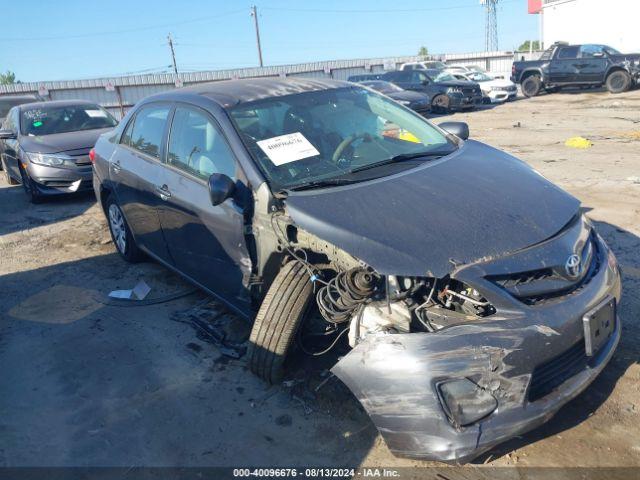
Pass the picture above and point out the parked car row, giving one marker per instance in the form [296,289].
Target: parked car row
[444,88]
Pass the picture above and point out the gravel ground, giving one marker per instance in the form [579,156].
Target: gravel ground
[85,383]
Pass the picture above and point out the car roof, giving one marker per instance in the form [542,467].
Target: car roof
[229,93]
[56,103]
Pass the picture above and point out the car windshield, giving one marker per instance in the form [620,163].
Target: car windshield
[382,87]
[329,134]
[441,76]
[47,120]
[479,77]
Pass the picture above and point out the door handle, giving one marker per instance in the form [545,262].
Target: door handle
[163,192]
[116,166]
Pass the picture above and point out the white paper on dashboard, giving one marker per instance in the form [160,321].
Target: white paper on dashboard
[95,113]
[287,148]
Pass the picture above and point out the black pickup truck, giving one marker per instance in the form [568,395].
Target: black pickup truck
[564,65]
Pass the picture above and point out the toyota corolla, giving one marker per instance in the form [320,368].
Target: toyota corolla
[473,296]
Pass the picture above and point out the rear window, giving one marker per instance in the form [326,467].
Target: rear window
[48,120]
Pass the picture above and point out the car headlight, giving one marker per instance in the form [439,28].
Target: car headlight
[49,160]
[464,402]
[454,90]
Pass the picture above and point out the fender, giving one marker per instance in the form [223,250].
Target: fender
[538,71]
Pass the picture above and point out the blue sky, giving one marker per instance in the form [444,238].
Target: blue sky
[69,39]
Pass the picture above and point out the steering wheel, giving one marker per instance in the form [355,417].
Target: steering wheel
[346,143]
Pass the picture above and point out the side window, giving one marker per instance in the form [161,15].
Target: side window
[418,77]
[587,51]
[567,53]
[10,122]
[196,145]
[144,132]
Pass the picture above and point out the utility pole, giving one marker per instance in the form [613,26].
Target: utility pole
[254,14]
[173,55]
[491,25]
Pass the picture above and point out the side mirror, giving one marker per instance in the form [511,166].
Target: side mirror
[425,82]
[221,187]
[7,135]
[459,129]
[597,55]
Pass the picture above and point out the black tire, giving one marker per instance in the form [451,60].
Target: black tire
[29,188]
[123,240]
[440,104]
[531,85]
[280,315]
[7,176]
[618,81]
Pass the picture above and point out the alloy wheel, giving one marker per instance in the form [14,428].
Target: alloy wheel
[118,229]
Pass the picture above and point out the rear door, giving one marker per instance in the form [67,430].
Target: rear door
[138,175]
[206,242]
[593,64]
[564,67]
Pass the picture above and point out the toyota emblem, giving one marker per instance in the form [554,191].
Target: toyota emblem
[573,266]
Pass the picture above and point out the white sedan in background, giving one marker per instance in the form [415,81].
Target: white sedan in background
[495,90]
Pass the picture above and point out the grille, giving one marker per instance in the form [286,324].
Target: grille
[537,286]
[550,375]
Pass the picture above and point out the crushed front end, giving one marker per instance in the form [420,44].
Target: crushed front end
[493,350]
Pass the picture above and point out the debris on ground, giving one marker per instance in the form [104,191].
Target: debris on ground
[139,292]
[216,325]
[578,142]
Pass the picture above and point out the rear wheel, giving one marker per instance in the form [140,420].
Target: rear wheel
[280,315]
[531,86]
[121,233]
[440,104]
[29,187]
[618,81]
[7,176]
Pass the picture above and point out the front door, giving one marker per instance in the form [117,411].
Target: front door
[10,148]
[205,241]
[138,175]
[593,64]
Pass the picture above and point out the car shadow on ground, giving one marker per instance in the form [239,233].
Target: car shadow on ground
[625,245]
[20,215]
[92,384]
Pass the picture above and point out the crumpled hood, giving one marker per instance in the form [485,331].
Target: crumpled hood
[476,203]
[61,142]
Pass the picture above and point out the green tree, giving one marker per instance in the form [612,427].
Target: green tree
[423,52]
[528,45]
[7,78]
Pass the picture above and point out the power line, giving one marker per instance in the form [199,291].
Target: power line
[117,32]
[394,10]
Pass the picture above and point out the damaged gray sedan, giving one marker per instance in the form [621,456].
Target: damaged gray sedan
[469,295]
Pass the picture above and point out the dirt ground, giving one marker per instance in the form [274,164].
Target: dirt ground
[85,383]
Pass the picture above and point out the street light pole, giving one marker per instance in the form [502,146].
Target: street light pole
[254,14]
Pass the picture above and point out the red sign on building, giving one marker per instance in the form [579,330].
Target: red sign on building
[535,6]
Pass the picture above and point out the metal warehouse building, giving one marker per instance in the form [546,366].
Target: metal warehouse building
[610,22]
[118,94]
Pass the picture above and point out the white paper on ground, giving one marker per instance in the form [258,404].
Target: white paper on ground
[139,292]
[287,148]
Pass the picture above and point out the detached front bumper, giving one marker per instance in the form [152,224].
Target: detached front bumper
[459,101]
[395,376]
[60,180]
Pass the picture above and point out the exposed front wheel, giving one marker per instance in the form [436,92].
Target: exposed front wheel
[618,81]
[531,86]
[120,232]
[440,104]
[280,315]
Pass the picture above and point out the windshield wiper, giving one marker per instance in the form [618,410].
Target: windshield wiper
[328,182]
[404,157]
